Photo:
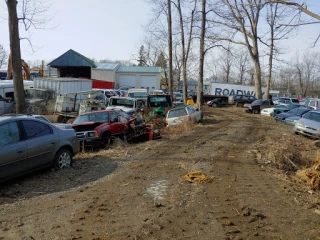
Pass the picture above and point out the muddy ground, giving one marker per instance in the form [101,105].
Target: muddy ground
[137,191]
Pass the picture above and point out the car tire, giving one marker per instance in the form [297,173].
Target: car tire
[63,159]
[106,137]
[240,105]
[255,111]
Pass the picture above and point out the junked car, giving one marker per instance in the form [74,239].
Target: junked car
[217,102]
[292,113]
[257,106]
[179,115]
[127,104]
[309,125]
[291,120]
[281,108]
[95,129]
[28,144]
[241,100]
[267,111]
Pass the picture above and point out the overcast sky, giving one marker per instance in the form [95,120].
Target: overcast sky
[108,29]
[98,29]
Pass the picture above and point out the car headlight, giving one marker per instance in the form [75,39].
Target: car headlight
[92,134]
[299,124]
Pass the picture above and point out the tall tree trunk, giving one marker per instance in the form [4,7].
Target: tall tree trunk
[19,96]
[269,71]
[269,78]
[184,64]
[300,83]
[257,78]
[170,49]
[202,53]
[185,50]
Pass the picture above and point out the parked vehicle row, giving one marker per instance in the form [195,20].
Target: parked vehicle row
[305,120]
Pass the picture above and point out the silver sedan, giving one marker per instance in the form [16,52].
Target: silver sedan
[309,125]
[28,144]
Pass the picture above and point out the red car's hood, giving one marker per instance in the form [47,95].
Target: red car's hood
[85,124]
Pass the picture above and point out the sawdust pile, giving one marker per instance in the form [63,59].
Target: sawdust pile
[197,177]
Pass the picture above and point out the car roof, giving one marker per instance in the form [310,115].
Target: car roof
[19,116]
[12,115]
[119,97]
[315,111]
[99,111]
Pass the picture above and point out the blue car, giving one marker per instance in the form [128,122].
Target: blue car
[292,113]
[280,109]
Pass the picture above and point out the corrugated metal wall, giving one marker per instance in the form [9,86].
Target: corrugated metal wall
[63,85]
[102,84]
[103,74]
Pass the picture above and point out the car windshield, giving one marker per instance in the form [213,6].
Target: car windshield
[121,102]
[257,102]
[177,113]
[138,94]
[158,101]
[292,106]
[294,100]
[92,117]
[100,96]
[314,116]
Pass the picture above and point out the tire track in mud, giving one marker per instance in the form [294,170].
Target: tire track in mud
[212,126]
[250,203]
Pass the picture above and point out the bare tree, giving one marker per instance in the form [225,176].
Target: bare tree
[201,53]
[185,48]
[242,17]
[170,73]
[301,7]
[226,62]
[16,56]
[3,56]
[276,15]
[241,63]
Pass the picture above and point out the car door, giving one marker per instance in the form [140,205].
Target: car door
[192,113]
[118,120]
[13,151]
[197,113]
[41,142]
[115,125]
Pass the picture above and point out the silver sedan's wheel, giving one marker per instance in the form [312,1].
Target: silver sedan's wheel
[63,159]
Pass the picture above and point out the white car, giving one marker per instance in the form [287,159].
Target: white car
[187,114]
[267,111]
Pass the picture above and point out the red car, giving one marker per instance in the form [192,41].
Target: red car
[94,129]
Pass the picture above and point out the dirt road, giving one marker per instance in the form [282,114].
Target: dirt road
[138,191]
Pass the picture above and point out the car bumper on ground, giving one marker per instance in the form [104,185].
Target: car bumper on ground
[289,122]
[308,132]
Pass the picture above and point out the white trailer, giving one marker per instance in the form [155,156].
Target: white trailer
[226,89]
[63,85]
